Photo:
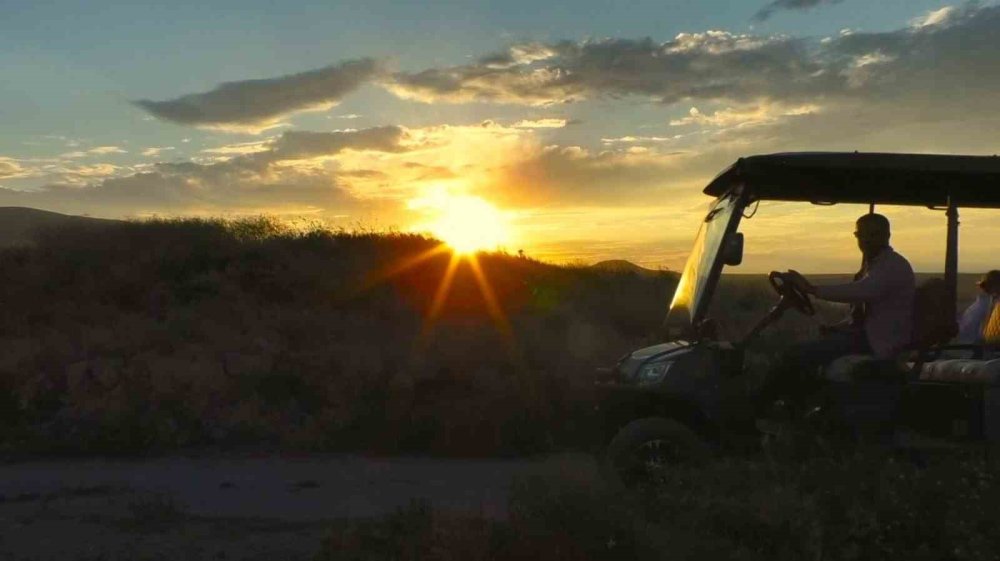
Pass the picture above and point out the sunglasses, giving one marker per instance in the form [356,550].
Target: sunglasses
[866,236]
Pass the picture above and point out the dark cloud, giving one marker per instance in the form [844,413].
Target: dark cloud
[943,68]
[307,144]
[920,70]
[781,5]
[254,104]
[707,65]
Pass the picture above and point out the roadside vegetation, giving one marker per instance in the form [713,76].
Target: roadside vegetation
[858,509]
[151,336]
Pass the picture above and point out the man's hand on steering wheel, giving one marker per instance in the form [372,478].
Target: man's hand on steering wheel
[794,290]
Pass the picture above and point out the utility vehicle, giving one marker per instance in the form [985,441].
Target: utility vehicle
[678,400]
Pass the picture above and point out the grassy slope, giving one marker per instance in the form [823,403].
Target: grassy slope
[138,336]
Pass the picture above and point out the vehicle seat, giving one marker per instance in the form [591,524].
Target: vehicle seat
[984,371]
[964,371]
[933,322]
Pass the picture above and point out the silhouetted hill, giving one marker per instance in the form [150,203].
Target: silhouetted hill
[19,225]
[624,266]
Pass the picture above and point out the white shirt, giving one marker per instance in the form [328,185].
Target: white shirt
[887,290]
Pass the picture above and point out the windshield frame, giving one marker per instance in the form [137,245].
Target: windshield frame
[690,304]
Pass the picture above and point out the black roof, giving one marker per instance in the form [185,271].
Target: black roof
[839,177]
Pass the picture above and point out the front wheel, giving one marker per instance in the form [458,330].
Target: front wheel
[641,451]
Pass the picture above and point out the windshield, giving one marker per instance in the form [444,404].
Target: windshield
[693,289]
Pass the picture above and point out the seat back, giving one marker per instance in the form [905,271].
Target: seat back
[933,324]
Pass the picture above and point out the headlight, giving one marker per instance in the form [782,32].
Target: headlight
[654,372]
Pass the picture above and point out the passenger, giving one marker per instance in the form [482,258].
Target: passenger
[973,319]
[881,317]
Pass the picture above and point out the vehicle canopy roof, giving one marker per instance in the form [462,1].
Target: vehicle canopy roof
[865,178]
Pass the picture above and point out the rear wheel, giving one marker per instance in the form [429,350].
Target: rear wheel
[645,448]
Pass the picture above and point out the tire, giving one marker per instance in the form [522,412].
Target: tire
[641,450]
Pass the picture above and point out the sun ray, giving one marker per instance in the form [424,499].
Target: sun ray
[490,297]
[441,295]
[409,263]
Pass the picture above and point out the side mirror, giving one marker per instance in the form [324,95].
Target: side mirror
[732,252]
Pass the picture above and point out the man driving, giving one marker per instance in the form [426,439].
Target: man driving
[881,317]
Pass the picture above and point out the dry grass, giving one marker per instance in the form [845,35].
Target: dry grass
[146,336]
[858,509]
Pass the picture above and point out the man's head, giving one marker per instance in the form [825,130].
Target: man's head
[872,232]
[990,282]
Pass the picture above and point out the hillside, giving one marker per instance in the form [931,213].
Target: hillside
[163,334]
[624,266]
[19,225]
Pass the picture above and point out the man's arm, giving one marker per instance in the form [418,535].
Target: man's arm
[871,287]
[863,290]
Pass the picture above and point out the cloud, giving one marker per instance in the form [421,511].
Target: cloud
[255,105]
[347,172]
[240,148]
[922,86]
[102,150]
[948,54]
[293,173]
[710,65]
[747,115]
[519,55]
[936,17]
[629,139]
[548,123]
[155,151]
[26,172]
[306,144]
[782,5]
[11,168]
[96,151]
[945,55]
[575,175]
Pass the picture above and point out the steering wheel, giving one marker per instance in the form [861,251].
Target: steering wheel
[790,292]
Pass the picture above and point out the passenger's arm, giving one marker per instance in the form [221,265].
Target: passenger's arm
[970,324]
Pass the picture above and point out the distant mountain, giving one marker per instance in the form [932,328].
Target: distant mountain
[19,224]
[623,266]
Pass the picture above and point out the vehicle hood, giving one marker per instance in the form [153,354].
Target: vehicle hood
[663,348]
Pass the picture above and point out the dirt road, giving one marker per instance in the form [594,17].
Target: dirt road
[111,509]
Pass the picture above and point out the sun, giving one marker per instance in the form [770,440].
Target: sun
[469,224]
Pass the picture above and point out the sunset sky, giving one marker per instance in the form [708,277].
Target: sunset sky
[587,129]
